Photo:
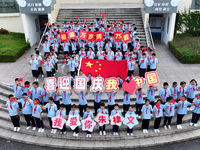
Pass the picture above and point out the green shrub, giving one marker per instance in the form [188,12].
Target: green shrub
[186,48]
[12,46]
[3,31]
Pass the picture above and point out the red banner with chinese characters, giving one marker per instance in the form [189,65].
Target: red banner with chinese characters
[82,35]
[106,68]
[63,36]
[117,36]
[90,36]
[71,35]
[126,37]
[99,36]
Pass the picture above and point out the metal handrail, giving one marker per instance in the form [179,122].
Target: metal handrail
[149,38]
[152,42]
[43,34]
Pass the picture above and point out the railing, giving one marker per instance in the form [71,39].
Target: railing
[43,34]
[149,38]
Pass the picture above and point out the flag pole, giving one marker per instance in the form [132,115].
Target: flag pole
[79,66]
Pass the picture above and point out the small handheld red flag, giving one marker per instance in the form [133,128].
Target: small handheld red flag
[25,57]
[20,79]
[76,16]
[103,13]
[86,17]
[64,60]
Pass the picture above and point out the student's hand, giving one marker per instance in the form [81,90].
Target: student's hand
[142,117]
[41,118]
[40,95]
[19,114]
[167,113]
[154,118]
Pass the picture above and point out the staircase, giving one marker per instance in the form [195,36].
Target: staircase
[96,142]
[128,15]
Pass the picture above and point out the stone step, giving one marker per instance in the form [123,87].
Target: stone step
[97,142]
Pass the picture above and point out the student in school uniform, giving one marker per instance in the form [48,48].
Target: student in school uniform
[46,48]
[146,115]
[196,112]
[62,113]
[158,114]
[100,53]
[52,109]
[151,94]
[153,63]
[87,114]
[182,89]
[115,111]
[110,54]
[73,112]
[26,87]
[120,81]
[103,111]
[90,53]
[118,55]
[131,113]
[191,88]
[67,100]
[82,45]
[143,65]
[111,101]
[174,90]
[14,112]
[74,44]
[164,92]
[56,97]
[108,46]
[131,65]
[82,53]
[36,91]
[37,114]
[65,46]
[99,44]
[72,66]
[34,67]
[170,106]
[82,101]
[27,111]
[18,90]
[139,101]
[55,47]
[39,58]
[97,101]
[182,110]
[129,78]
[44,95]
[48,66]
[126,102]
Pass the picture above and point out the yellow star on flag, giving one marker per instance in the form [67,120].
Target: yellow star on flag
[89,64]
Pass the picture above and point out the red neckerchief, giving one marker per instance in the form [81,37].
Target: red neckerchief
[35,109]
[11,105]
[24,104]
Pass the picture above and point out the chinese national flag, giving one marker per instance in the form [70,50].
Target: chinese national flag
[106,68]
[63,36]
[82,35]
[117,36]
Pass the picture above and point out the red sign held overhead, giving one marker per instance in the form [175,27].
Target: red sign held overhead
[117,36]
[63,36]
[82,35]
[71,35]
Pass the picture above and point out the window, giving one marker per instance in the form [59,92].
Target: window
[195,4]
[9,6]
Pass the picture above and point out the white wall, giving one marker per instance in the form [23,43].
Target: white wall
[184,4]
[12,22]
[30,28]
[166,37]
[99,1]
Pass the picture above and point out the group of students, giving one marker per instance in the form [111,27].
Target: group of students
[75,49]
[35,99]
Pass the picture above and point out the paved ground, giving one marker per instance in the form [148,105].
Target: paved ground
[189,145]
